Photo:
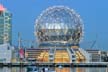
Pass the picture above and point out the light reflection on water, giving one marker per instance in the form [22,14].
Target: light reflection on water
[82,69]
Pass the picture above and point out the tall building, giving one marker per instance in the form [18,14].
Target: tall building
[5,26]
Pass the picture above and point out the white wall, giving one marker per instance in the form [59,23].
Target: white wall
[5,53]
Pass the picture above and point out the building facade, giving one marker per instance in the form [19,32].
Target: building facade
[58,32]
[6,53]
[95,55]
[5,26]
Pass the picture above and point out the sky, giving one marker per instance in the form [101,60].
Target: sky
[93,13]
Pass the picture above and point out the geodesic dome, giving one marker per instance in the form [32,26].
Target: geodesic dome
[59,24]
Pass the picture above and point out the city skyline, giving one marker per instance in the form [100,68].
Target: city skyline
[93,14]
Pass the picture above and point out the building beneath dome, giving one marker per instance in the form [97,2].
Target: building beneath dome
[58,31]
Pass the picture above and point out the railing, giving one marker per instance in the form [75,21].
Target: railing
[46,64]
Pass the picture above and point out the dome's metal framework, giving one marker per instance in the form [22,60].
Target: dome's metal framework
[57,25]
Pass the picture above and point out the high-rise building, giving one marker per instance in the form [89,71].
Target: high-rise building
[5,26]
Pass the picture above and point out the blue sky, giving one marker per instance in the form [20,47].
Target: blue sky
[94,14]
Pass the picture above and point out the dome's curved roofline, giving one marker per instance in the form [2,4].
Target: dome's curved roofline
[59,7]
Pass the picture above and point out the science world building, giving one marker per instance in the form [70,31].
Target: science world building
[58,31]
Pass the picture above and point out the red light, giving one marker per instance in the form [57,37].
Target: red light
[2,8]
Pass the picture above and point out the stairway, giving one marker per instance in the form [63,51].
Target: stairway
[79,56]
[85,54]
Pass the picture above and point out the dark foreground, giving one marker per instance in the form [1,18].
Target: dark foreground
[68,69]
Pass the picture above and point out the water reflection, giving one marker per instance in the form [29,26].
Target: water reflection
[19,69]
[12,69]
[90,69]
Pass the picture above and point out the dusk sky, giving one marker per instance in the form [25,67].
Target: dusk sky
[94,14]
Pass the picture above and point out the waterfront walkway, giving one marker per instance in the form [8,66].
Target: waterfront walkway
[90,64]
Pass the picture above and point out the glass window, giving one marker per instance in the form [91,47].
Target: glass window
[1,21]
[6,21]
[6,14]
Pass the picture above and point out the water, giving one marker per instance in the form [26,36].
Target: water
[18,69]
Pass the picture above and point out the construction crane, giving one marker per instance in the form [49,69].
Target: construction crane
[94,42]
